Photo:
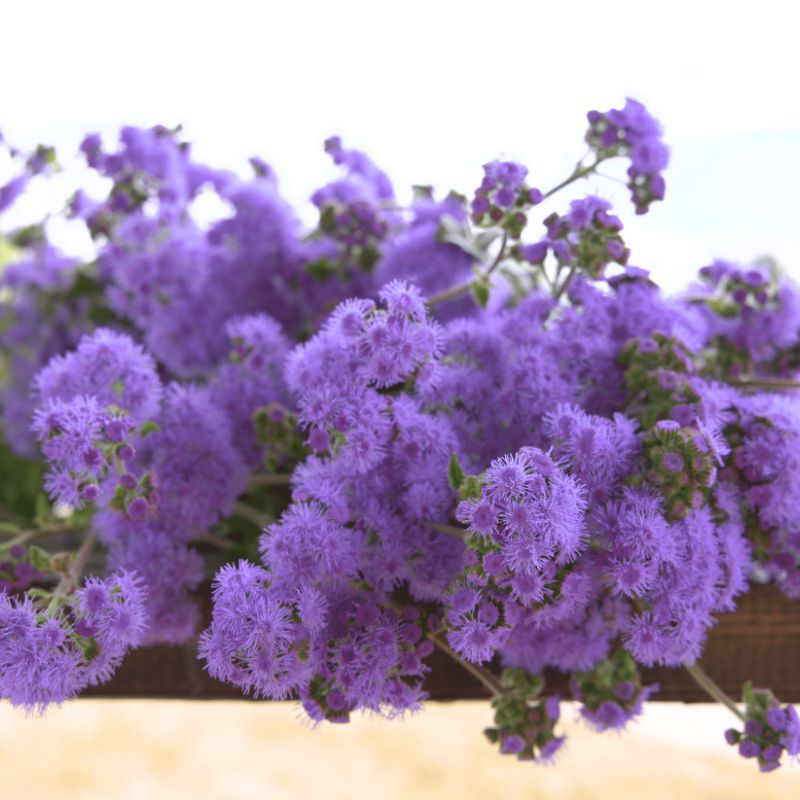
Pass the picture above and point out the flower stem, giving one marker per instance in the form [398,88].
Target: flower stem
[765,383]
[578,173]
[274,479]
[565,285]
[463,288]
[450,530]
[251,514]
[74,571]
[216,541]
[705,682]
[489,680]
[499,257]
[23,537]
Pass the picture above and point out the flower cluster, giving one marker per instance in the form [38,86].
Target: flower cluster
[84,441]
[406,428]
[633,132]
[526,530]
[524,722]
[769,729]
[587,236]
[503,197]
[753,317]
[49,655]
[611,693]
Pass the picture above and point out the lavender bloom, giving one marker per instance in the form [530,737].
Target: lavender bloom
[633,132]
[168,569]
[252,641]
[10,191]
[770,730]
[599,452]
[753,314]
[82,440]
[253,379]
[197,472]
[503,197]
[48,658]
[274,647]
[33,329]
[527,530]
[587,236]
[109,366]
[616,489]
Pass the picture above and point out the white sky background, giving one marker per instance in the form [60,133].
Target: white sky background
[432,90]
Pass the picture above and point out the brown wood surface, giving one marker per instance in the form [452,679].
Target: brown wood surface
[760,641]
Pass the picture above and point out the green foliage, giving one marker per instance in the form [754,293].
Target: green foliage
[21,492]
[455,473]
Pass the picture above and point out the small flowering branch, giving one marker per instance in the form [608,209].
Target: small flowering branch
[579,172]
[705,682]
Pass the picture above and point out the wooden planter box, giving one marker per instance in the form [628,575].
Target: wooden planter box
[759,641]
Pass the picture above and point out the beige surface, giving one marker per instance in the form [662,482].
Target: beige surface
[96,750]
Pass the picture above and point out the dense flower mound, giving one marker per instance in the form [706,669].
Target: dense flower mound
[467,424]
[49,655]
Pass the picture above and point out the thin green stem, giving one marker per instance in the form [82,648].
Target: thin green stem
[705,682]
[74,571]
[10,529]
[548,280]
[450,530]
[490,681]
[216,541]
[463,288]
[449,294]
[765,383]
[24,537]
[499,257]
[255,516]
[580,172]
[565,285]
[274,479]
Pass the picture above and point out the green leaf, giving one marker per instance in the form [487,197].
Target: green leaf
[455,473]
[148,427]
[327,219]
[480,291]
[39,559]
[471,489]
[452,231]
[320,270]
[42,511]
